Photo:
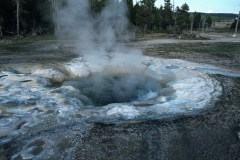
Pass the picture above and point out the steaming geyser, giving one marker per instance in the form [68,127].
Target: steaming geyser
[152,87]
[102,89]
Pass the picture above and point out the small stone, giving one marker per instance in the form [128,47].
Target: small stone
[51,73]
[143,103]
[161,99]
[25,81]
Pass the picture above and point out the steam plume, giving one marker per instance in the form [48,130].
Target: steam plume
[99,38]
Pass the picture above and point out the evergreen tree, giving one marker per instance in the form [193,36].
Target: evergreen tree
[160,18]
[96,6]
[209,21]
[157,18]
[167,15]
[183,18]
[139,18]
[148,12]
[130,11]
[197,21]
[145,14]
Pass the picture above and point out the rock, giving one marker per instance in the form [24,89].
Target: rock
[143,103]
[161,99]
[125,111]
[51,73]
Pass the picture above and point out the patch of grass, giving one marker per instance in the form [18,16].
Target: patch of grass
[27,49]
[152,35]
[42,37]
[192,37]
[186,36]
[216,49]
[223,30]
[26,45]
[26,40]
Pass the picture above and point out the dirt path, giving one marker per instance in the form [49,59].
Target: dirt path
[214,38]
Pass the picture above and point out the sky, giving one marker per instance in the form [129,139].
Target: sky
[207,6]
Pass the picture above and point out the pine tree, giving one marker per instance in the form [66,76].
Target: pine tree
[145,14]
[130,11]
[183,18]
[148,12]
[209,21]
[197,21]
[167,15]
[96,6]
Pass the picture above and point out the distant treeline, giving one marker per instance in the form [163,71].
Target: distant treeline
[222,15]
[27,15]
[39,16]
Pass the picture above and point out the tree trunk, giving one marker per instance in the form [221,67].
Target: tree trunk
[193,18]
[18,12]
[203,27]
[236,27]
[54,14]
[1,33]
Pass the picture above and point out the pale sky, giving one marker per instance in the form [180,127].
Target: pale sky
[207,6]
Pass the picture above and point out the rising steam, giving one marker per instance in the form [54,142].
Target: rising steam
[99,39]
[99,33]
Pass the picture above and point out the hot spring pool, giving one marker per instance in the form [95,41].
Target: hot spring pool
[40,101]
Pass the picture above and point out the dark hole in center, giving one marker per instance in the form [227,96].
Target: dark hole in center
[100,90]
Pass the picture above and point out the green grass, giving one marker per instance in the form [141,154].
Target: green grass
[24,46]
[215,49]
[28,39]
[223,30]
[36,38]
[43,37]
